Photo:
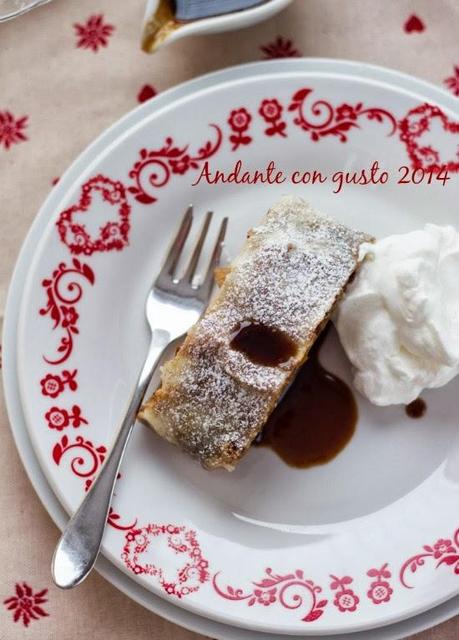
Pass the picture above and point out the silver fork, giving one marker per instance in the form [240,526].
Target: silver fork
[172,307]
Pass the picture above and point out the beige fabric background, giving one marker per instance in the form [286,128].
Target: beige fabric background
[70,95]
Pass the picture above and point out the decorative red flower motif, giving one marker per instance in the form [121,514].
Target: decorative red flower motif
[239,121]
[178,542]
[265,593]
[87,460]
[453,82]
[271,112]
[181,165]
[57,418]
[345,598]
[442,547]
[113,235]
[62,294]
[345,112]
[146,93]
[194,574]
[414,131]
[380,590]
[53,385]
[11,129]
[280,48]
[265,597]
[320,118]
[26,604]
[414,24]
[445,551]
[154,167]
[94,33]
[130,537]
[69,316]
[193,571]
[60,418]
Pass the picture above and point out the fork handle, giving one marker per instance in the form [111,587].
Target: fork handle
[79,545]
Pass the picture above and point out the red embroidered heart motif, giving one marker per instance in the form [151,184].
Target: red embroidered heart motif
[112,234]
[414,132]
[146,92]
[414,24]
[170,554]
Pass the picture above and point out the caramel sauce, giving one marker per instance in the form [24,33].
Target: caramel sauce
[159,26]
[315,419]
[262,344]
[416,409]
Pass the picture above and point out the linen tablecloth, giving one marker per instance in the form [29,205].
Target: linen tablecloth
[67,71]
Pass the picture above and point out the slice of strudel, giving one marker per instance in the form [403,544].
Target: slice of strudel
[219,389]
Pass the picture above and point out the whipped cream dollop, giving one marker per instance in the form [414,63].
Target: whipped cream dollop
[399,319]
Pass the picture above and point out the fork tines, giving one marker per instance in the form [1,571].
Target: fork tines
[167,279]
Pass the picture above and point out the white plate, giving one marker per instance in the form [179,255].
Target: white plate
[395,487]
[120,580]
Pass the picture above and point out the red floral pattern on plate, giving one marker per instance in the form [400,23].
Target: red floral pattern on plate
[239,121]
[114,234]
[155,167]
[283,589]
[25,605]
[280,48]
[380,590]
[346,600]
[414,24]
[60,418]
[87,461]
[452,82]
[153,170]
[271,112]
[189,576]
[417,124]
[62,296]
[94,33]
[12,129]
[445,551]
[53,385]
[324,119]
[146,93]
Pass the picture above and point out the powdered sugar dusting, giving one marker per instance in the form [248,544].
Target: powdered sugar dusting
[293,267]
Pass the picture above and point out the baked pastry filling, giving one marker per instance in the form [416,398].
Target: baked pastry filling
[218,391]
